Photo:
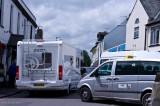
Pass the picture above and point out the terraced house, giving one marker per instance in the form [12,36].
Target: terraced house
[16,23]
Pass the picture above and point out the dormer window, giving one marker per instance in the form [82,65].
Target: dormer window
[137,21]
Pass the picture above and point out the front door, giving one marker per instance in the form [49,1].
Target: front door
[125,81]
[103,81]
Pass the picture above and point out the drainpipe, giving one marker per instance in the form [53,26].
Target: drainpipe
[145,39]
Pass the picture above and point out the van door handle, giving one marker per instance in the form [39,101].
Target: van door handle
[115,79]
[109,79]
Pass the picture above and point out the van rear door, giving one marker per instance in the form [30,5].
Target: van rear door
[39,62]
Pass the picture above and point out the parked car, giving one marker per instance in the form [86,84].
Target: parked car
[124,79]
[86,70]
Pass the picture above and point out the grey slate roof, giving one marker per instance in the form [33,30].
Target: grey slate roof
[156,20]
[116,37]
[152,8]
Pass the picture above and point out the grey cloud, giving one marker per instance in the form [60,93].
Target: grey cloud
[79,21]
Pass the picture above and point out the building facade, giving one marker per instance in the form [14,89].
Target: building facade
[16,23]
[143,13]
[98,48]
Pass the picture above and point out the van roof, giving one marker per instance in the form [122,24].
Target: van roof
[158,60]
[135,54]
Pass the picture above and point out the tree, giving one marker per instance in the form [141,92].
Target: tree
[86,59]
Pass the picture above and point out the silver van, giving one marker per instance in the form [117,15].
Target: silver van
[125,79]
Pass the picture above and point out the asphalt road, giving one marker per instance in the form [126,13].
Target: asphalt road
[56,99]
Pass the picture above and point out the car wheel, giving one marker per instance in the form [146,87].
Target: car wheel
[85,94]
[146,99]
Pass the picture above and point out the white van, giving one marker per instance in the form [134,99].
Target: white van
[47,65]
[122,54]
[122,79]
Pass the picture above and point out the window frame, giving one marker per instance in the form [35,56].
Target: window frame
[155,37]
[24,25]
[11,19]
[136,32]
[18,23]
[31,32]
[137,21]
[1,12]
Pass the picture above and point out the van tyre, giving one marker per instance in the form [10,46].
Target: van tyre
[146,99]
[85,94]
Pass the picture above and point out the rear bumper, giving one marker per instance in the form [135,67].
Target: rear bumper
[47,86]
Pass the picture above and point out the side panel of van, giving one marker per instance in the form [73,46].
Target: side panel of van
[148,70]
[125,80]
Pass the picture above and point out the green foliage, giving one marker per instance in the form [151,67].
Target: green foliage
[86,61]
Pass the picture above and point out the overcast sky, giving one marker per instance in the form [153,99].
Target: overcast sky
[79,21]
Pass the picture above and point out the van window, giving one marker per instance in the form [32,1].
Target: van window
[126,68]
[77,62]
[105,69]
[39,60]
[47,59]
[149,68]
[71,59]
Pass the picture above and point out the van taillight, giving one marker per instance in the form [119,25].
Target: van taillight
[17,73]
[60,72]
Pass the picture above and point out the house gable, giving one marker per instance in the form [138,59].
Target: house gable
[139,13]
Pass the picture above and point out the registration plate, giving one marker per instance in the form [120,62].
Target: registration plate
[39,85]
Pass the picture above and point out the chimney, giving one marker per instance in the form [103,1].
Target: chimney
[39,34]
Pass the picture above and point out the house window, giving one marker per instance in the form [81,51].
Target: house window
[136,32]
[18,23]
[24,31]
[31,33]
[137,21]
[157,36]
[11,19]
[154,37]
[1,12]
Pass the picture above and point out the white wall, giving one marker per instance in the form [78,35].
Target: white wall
[4,35]
[95,54]
[138,12]
[4,28]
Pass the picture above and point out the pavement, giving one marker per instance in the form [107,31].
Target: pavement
[5,92]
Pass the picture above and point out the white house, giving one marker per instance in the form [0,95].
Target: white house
[143,12]
[16,23]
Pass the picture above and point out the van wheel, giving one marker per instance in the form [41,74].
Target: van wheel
[85,94]
[146,99]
